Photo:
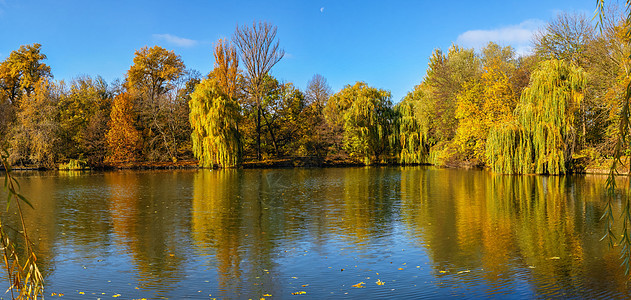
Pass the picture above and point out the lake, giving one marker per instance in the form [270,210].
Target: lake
[375,232]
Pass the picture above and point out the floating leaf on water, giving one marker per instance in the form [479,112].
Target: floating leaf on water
[465,271]
[531,267]
[265,295]
[443,271]
[379,282]
[81,293]
[359,285]
[305,285]
[299,293]
[116,296]
[554,257]
[400,269]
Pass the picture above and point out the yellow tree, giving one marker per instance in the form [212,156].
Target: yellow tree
[214,118]
[215,112]
[154,73]
[123,139]
[35,134]
[21,71]
[486,102]
[19,74]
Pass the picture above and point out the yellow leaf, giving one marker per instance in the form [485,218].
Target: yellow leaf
[299,293]
[379,282]
[267,295]
[359,285]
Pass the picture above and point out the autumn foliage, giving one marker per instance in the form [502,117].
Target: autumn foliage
[543,112]
[123,139]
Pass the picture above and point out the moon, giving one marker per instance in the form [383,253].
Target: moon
[322,9]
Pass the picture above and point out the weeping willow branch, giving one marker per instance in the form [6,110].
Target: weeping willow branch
[25,279]
[608,217]
[620,147]
[540,140]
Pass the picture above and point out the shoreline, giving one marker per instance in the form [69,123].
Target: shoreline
[293,162]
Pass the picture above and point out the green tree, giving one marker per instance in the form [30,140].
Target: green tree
[543,137]
[259,53]
[84,110]
[446,76]
[284,117]
[367,117]
[412,136]
[431,108]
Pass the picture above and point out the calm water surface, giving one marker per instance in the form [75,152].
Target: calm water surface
[240,234]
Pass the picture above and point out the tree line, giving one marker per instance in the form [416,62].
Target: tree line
[545,112]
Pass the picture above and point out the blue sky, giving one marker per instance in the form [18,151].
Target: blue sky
[384,43]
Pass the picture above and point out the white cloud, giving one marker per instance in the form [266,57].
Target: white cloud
[518,36]
[176,40]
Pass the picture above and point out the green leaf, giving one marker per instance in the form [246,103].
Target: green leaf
[9,199]
[24,200]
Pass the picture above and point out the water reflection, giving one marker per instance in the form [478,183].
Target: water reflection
[216,222]
[425,232]
[544,230]
[150,219]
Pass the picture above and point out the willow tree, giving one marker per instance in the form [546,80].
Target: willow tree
[367,118]
[542,138]
[214,118]
[215,112]
[412,136]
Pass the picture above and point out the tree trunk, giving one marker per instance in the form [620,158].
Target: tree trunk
[271,132]
[258,132]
